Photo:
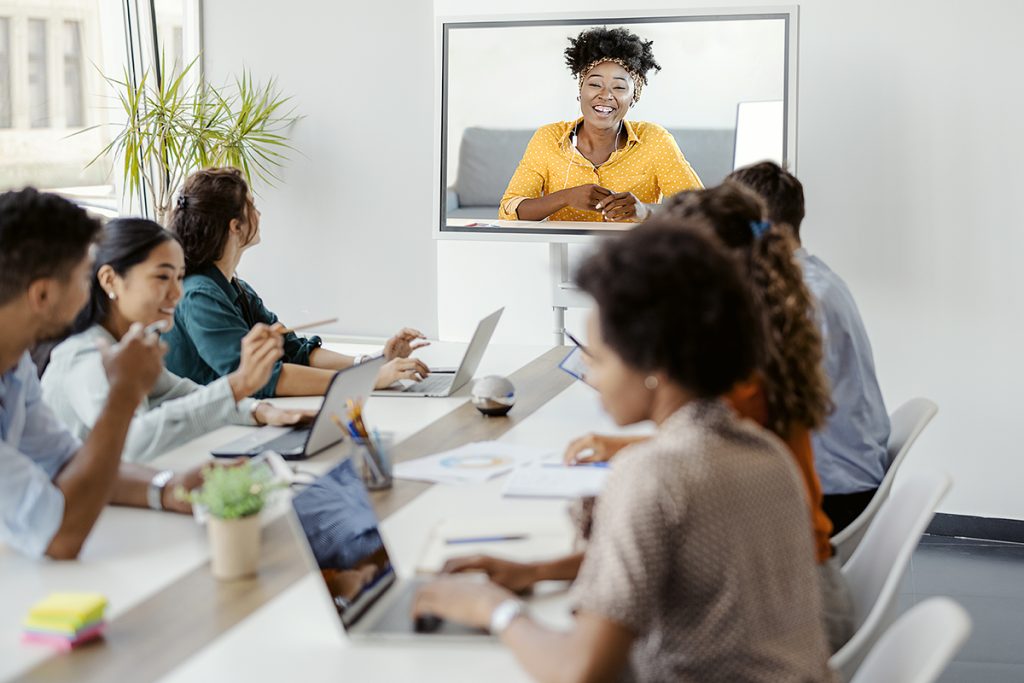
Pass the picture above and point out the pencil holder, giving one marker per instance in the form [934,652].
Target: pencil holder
[374,460]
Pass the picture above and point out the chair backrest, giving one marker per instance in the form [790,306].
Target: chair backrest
[877,567]
[906,424]
[919,646]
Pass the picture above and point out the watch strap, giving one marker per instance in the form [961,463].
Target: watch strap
[155,491]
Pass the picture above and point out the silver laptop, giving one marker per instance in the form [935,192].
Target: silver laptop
[299,443]
[335,521]
[442,383]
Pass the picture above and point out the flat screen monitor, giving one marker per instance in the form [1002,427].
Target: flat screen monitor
[725,94]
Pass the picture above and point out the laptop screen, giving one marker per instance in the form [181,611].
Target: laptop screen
[340,524]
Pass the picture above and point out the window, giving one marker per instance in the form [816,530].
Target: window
[74,101]
[5,72]
[38,84]
[57,111]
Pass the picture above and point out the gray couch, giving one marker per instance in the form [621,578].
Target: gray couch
[488,157]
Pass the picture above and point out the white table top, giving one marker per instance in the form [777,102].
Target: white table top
[299,625]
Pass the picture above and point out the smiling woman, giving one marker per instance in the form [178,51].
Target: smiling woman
[136,281]
[600,166]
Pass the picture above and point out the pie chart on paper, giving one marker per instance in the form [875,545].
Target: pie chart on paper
[476,462]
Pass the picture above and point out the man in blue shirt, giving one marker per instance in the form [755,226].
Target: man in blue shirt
[53,487]
[851,450]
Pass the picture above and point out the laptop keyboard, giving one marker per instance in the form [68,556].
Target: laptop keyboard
[435,384]
[291,443]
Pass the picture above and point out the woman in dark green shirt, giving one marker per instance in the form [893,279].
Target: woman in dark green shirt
[216,221]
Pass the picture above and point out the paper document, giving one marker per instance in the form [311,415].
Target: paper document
[470,464]
[512,537]
[547,479]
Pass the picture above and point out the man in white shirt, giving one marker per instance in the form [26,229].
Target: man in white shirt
[851,450]
[52,486]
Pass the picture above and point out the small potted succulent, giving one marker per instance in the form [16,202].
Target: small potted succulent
[233,497]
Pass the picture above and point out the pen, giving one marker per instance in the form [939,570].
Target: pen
[155,328]
[485,539]
[306,326]
[576,341]
[603,465]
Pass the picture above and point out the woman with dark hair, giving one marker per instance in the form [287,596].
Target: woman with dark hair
[789,394]
[600,166]
[136,281]
[694,522]
[216,221]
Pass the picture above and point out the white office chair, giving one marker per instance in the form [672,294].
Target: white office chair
[907,423]
[919,646]
[877,567]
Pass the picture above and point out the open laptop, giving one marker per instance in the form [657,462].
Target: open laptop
[337,524]
[299,443]
[443,383]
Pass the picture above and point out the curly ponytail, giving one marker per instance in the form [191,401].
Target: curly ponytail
[795,384]
[796,389]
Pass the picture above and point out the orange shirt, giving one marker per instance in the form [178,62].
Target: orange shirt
[748,399]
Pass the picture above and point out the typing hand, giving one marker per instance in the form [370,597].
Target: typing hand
[597,448]
[269,414]
[514,576]
[401,368]
[459,600]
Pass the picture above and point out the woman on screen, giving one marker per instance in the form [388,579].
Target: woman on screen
[600,167]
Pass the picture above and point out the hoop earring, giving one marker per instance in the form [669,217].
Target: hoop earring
[651,382]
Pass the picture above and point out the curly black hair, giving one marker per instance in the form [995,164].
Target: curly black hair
[670,298]
[41,236]
[610,43]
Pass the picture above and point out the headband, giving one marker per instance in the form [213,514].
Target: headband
[639,81]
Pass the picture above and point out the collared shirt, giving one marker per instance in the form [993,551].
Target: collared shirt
[651,166]
[851,450]
[205,343]
[176,410]
[34,446]
[700,548]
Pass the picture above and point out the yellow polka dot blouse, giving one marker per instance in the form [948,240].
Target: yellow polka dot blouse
[651,166]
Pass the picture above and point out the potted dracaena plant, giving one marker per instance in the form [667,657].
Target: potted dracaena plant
[233,497]
[178,124]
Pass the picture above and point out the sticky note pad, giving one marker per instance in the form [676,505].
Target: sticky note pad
[67,611]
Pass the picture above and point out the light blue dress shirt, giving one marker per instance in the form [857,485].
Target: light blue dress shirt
[34,446]
[851,450]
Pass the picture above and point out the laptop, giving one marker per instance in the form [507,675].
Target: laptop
[337,525]
[299,443]
[443,383]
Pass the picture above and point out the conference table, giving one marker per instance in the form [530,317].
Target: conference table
[169,620]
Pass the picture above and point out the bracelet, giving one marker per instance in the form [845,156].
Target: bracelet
[155,492]
[505,613]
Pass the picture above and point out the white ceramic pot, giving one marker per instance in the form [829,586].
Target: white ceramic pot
[234,546]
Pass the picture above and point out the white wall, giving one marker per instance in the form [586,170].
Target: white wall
[909,149]
[348,232]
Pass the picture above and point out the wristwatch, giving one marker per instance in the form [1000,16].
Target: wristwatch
[252,411]
[505,613]
[155,492]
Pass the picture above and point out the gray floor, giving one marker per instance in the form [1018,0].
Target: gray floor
[987,578]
